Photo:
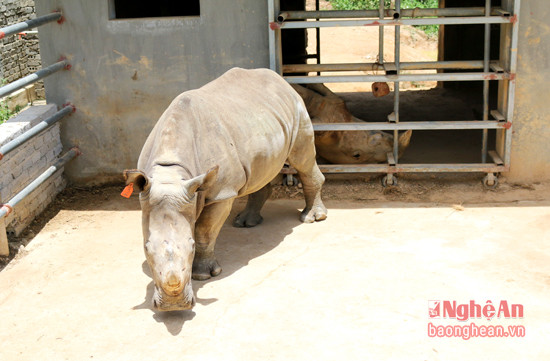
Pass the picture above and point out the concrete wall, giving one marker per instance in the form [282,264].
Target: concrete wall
[126,72]
[530,150]
[19,55]
[21,166]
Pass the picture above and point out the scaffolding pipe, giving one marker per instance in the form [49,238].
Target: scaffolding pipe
[29,24]
[394,22]
[6,208]
[398,78]
[34,131]
[405,13]
[33,78]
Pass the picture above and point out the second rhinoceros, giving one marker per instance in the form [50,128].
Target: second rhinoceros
[225,140]
[345,147]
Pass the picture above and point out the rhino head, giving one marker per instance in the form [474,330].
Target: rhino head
[345,147]
[170,206]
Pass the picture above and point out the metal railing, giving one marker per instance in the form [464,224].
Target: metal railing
[6,208]
[503,71]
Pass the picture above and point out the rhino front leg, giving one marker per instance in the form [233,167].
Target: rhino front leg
[250,216]
[302,157]
[207,228]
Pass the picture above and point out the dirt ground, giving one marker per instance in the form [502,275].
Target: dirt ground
[356,286]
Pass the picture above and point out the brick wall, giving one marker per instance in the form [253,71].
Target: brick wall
[25,163]
[19,55]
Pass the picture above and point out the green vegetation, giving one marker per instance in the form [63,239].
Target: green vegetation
[6,113]
[430,30]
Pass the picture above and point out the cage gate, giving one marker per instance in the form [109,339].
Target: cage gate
[492,162]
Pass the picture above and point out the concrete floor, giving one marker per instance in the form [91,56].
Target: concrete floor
[355,287]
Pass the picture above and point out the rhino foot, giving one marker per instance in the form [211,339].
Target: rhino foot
[203,269]
[316,213]
[247,219]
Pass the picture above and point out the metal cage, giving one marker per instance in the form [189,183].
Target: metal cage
[502,71]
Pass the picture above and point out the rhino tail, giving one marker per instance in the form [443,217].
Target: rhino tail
[404,140]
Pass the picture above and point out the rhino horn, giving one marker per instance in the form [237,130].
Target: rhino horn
[404,140]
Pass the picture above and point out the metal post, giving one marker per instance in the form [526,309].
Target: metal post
[512,81]
[405,13]
[272,48]
[318,37]
[34,131]
[396,84]
[33,78]
[29,24]
[486,60]
[381,35]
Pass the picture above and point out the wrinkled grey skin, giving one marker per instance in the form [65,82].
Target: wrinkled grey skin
[227,139]
[345,147]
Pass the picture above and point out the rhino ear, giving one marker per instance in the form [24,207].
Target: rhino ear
[202,182]
[137,177]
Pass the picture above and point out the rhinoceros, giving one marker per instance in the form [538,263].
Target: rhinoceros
[345,147]
[225,140]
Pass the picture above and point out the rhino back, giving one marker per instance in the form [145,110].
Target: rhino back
[245,122]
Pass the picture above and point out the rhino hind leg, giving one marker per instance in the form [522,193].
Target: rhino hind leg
[302,158]
[250,216]
[207,228]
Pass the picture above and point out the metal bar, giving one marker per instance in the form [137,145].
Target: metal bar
[33,78]
[399,78]
[412,168]
[486,64]
[393,22]
[29,24]
[437,125]
[512,82]
[34,131]
[350,14]
[271,36]
[397,51]
[6,208]
[318,38]
[381,34]
[419,65]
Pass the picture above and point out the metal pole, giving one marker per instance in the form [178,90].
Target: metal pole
[33,78]
[7,207]
[272,48]
[405,13]
[512,82]
[34,131]
[29,24]
[398,78]
[396,84]
[381,34]
[392,22]
[486,60]
[432,125]
[318,35]
[419,65]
